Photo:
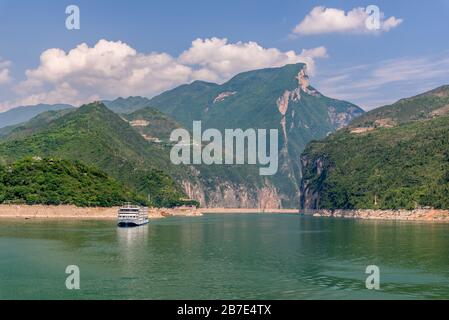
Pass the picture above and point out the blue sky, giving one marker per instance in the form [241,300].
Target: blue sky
[367,68]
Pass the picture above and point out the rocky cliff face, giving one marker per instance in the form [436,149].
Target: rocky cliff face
[342,119]
[275,98]
[314,173]
[229,195]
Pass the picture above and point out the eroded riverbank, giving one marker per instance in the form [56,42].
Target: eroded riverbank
[431,215]
[73,212]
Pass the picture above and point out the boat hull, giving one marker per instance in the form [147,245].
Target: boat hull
[131,224]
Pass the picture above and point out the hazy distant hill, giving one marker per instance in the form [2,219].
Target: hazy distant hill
[22,114]
[393,157]
[35,124]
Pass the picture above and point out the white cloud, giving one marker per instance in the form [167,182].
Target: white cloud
[323,20]
[110,69]
[4,71]
[219,60]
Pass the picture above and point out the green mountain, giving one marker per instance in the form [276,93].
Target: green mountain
[421,107]
[22,114]
[393,157]
[97,136]
[274,98]
[47,113]
[126,105]
[54,181]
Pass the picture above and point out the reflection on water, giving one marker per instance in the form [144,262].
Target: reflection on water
[131,248]
[129,238]
[254,256]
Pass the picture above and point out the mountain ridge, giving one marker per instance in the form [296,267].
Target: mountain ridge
[423,106]
[24,113]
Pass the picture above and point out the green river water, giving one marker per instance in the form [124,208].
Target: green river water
[225,256]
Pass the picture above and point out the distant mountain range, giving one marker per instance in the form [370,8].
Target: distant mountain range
[132,143]
[393,157]
[22,114]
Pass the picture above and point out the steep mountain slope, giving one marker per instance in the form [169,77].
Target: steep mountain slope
[275,98]
[55,181]
[152,124]
[95,135]
[403,163]
[22,114]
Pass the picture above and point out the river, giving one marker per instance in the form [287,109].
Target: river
[225,256]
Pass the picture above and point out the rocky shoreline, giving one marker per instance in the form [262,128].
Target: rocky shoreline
[402,215]
[248,210]
[73,212]
[10,211]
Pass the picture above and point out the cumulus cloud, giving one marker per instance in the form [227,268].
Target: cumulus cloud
[322,20]
[219,60]
[111,69]
[108,68]
[4,71]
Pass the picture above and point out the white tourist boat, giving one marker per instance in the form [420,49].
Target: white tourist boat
[132,216]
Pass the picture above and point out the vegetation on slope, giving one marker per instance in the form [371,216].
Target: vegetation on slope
[406,166]
[421,107]
[55,181]
[152,123]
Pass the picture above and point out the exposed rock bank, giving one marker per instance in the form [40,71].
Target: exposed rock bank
[412,215]
[73,212]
